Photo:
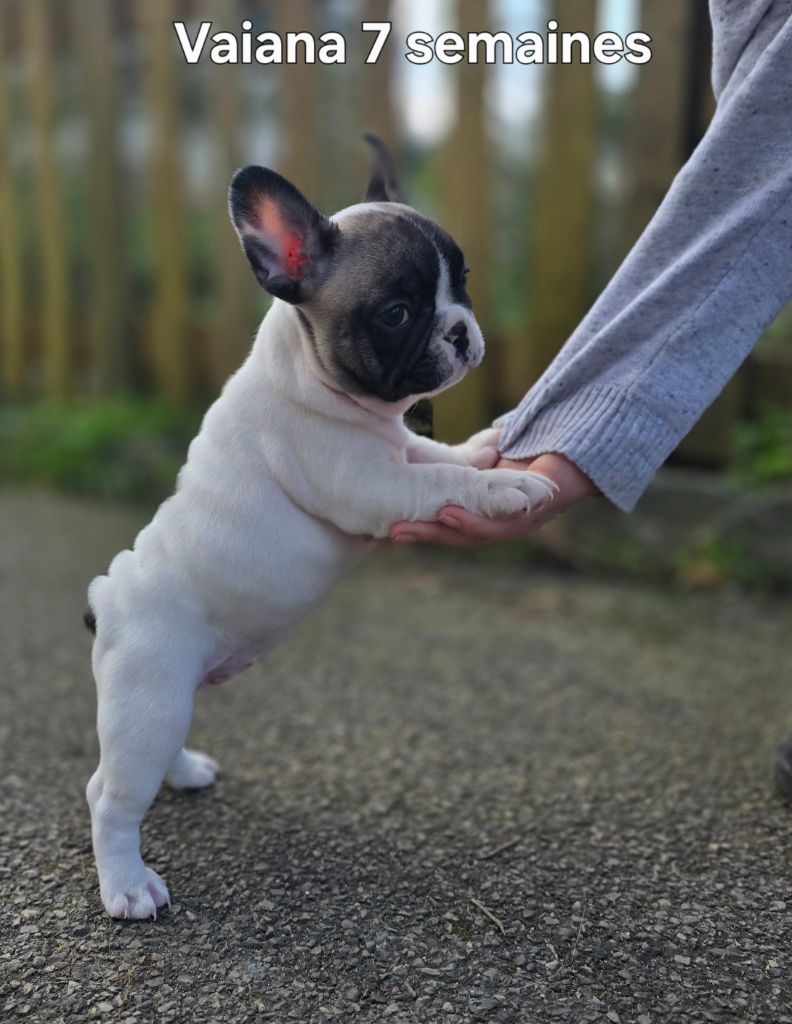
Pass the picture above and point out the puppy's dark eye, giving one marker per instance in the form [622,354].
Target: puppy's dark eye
[394,316]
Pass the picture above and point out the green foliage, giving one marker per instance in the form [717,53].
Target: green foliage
[123,449]
[763,448]
[707,561]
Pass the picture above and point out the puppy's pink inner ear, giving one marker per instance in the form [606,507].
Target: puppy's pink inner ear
[288,242]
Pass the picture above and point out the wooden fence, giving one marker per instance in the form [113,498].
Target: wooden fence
[120,273]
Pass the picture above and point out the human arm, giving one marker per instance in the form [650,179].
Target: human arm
[710,272]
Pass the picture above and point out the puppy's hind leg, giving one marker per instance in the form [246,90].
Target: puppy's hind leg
[191,769]
[145,705]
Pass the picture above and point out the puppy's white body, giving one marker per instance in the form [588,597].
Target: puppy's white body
[281,486]
[237,547]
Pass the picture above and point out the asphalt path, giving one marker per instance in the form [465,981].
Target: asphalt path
[460,793]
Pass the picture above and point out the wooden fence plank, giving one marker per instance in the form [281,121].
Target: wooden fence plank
[109,329]
[299,102]
[465,196]
[658,121]
[233,318]
[171,358]
[12,342]
[712,439]
[560,268]
[375,81]
[356,99]
[670,111]
[53,254]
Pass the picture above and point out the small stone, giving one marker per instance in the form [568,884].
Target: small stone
[482,1007]
[683,960]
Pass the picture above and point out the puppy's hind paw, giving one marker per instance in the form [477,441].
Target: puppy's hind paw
[192,770]
[137,901]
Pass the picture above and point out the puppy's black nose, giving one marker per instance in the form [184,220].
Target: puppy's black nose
[458,337]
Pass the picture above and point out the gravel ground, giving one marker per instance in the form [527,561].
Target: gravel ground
[614,742]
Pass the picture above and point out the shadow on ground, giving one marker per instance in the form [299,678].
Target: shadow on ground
[616,741]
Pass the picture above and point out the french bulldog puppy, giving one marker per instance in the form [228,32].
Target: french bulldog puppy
[302,460]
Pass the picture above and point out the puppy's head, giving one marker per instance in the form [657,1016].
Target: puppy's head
[380,289]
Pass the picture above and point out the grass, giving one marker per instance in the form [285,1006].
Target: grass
[763,449]
[125,449]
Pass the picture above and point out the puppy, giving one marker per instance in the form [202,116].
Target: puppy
[301,461]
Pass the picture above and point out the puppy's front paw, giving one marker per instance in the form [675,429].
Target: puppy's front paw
[538,488]
[504,492]
[484,458]
[481,450]
[134,895]
[192,770]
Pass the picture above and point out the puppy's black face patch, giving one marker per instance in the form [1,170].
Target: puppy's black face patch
[397,326]
[407,332]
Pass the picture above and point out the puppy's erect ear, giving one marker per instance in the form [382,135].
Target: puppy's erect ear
[383,186]
[287,240]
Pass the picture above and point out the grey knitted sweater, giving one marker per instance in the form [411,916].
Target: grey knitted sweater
[710,272]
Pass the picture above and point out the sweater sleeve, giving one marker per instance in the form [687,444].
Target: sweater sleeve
[711,271]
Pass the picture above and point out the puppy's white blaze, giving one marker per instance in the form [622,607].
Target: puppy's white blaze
[452,312]
[443,298]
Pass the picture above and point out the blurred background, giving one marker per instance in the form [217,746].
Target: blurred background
[125,301]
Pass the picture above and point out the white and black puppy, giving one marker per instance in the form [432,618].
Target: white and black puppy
[303,456]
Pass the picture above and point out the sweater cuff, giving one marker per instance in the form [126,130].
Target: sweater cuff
[612,435]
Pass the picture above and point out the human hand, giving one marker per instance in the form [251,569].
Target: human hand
[457,526]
